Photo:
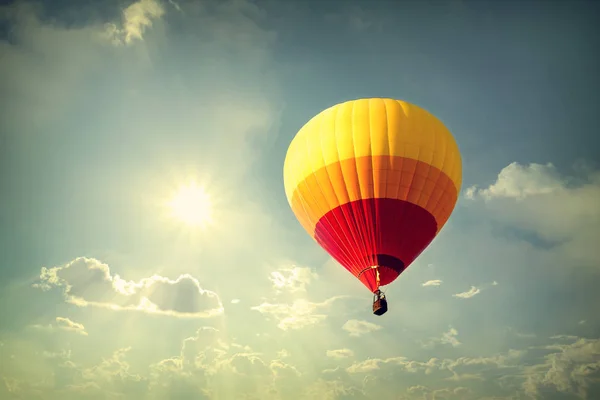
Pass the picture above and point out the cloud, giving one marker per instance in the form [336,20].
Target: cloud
[358,328]
[371,364]
[435,282]
[448,337]
[340,353]
[299,314]
[137,17]
[468,294]
[88,282]
[43,92]
[64,324]
[68,325]
[210,365]
[293,279]
[424,392]
[517,181]
[559,211]
[474,291]
[569,369]
[206,360]
[224,81]
[548,371]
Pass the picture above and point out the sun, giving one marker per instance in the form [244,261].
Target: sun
[191,205]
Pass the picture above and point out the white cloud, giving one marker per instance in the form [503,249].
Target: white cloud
[68,325]
[340,353]
[209,365]
[292,279]
[205,362]
[299,314]
[560,210]
[64,324]
[568,369]
[468,294]
[88,282]
[435,282]
[358,328]
[137,17]
[449,337]
[283,353]
[518,182]
[374,364]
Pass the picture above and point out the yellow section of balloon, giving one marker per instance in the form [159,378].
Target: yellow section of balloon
[371,127]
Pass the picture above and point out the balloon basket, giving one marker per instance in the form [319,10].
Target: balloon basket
[379,304]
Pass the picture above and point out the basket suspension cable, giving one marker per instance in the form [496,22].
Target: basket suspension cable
[376,268]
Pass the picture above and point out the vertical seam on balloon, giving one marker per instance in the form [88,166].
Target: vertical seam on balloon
[403,239]
[451,184]
[389,142]
[429,166]
[387,170]
[308,187]
[355,220]
[343,244]
[351,252]
[374,227]
[369,225]
[403,119]
[434,209]
[366,209]
[401,157]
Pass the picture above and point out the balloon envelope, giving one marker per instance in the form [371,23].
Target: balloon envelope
[373,181]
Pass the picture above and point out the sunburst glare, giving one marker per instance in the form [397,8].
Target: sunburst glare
[192,205]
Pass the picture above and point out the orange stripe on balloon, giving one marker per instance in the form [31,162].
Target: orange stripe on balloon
[370,177]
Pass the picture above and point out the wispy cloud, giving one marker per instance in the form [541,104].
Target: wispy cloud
[474,290]
[435,282]
[449,337]
[468,294]
[137,17]
[373,364]
[64,324]
[358,328]
[301,313]
[292,279]
[340,353]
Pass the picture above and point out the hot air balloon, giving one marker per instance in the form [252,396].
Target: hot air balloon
[373,181]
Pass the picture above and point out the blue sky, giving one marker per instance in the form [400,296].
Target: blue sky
[109,107]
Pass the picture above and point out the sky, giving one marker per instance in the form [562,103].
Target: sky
[109,108]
